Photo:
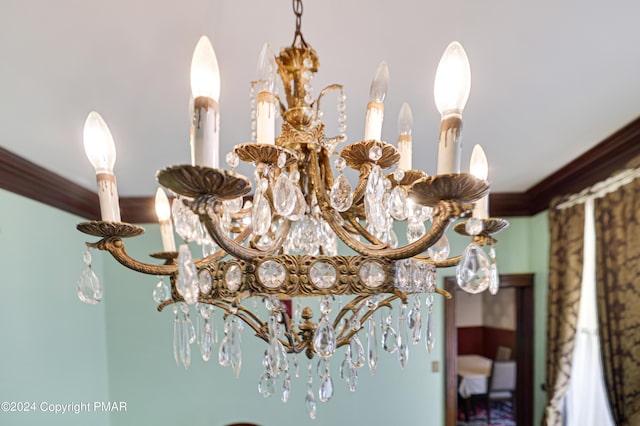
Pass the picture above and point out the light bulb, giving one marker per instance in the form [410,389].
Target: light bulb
[267,68]
[205,74]
[405,119]
[163,208]
[453,80]
[98,143]
[380,83]
[479,166]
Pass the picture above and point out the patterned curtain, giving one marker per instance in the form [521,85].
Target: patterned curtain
[565,280]
[618,285]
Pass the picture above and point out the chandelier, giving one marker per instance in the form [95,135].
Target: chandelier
[280,246]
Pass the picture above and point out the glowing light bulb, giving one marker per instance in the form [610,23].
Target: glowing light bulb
[479,166]
[205,74]
[98,143]
[380,83]
[453,80]
[163,208]
[267,68]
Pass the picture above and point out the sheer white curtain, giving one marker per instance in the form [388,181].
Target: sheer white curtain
[586,402]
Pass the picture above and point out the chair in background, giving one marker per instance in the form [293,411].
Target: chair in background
[503,353]
[502,385]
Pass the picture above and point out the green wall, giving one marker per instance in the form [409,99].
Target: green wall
[58,350]
[52,346]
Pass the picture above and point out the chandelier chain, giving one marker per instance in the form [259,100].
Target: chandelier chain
[297,10]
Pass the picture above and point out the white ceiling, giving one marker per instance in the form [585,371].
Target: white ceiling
[550,79]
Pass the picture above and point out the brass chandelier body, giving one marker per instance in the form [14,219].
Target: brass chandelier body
[303,146]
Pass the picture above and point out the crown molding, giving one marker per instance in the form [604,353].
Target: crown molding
[21,176]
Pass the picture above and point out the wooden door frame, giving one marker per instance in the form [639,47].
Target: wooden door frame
[523,283]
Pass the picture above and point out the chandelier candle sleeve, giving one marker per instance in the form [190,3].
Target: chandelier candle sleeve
[479,167]
[451,91]
[375,108]
[405,123]
[101,152]
[163,211]
[266,106]
[205,88]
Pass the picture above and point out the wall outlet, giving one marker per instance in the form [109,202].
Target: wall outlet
[435,366]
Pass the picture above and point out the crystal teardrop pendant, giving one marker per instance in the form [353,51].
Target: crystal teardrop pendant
[260,215]
[284,196]
[473,273]
[161,292]
[325,391]
[324,339]
[341,195]
[310,403]
[440,250]
[398,203]
[357,351]
[286,387]
[266,385]
[390,338]
[89,288]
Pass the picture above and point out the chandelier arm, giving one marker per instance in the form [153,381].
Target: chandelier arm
[362,230]
[219,254]
[115,246]
[295,343]
[452,261]
[324,91]
[327,212]
[212,224]
[344,340]
[361,187]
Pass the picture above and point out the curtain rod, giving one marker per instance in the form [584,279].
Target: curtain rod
[599,189]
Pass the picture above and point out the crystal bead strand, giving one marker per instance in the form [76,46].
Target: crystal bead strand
[252,103]
[494,282]
[310,399]
[342,116]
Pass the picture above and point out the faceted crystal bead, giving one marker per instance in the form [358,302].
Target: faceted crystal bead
[284,196]
[234,205]
[371,274]
[340,164]
[473,226]
[232,159]
[272,273]
[494,283]
[89,288]
[473,273]
[341,195]
[204,281]
[322,274]
[324,339]
[375,152]
[233,277]
[161,292]
[440,250]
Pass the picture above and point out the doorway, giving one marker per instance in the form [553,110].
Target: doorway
[523,351]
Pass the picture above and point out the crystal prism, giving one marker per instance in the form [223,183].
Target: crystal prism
[89,288]
[341,195]
[325,392]
[324,339]
[372,345]
[440,250]
[310,403]
[357,351]
[266,385]
[206,342]
[430,341]
[284,196]
[473,273]
[286,387]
